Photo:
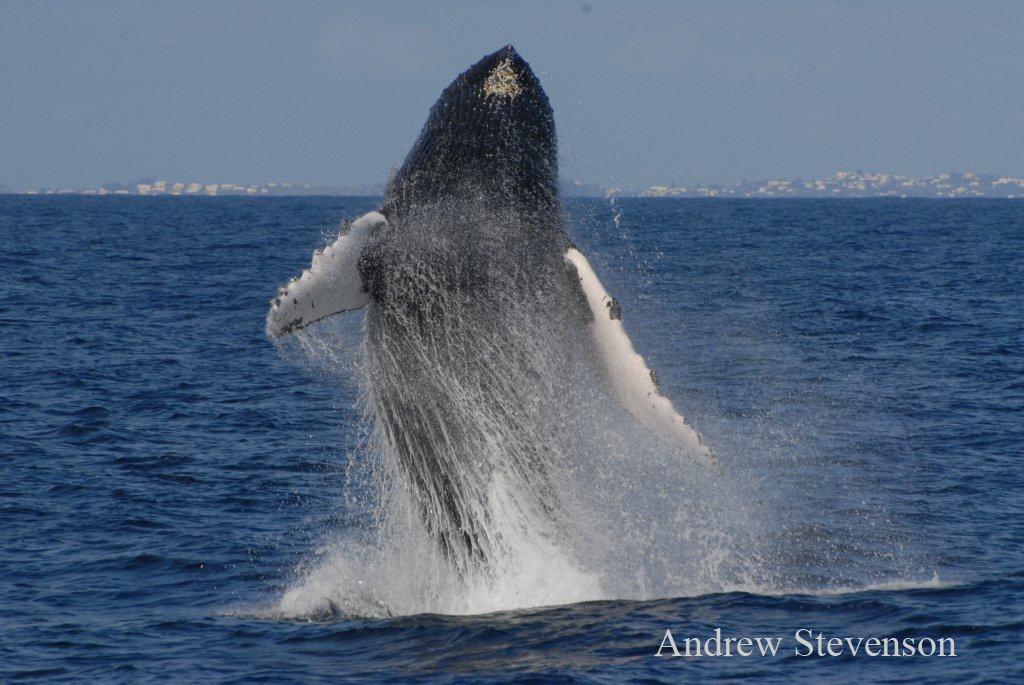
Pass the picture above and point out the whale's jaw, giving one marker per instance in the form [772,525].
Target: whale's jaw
[491,134]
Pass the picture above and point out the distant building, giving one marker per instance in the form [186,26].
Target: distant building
[841,184]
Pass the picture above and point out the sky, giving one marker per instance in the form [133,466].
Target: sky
[644,93]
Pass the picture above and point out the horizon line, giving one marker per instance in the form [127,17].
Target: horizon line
[840,184]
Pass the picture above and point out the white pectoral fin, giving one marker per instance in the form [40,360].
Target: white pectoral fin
[330,285]
[633,383]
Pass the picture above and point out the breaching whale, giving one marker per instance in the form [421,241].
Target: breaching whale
[476,301]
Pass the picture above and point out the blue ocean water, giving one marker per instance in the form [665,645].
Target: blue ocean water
[168,476]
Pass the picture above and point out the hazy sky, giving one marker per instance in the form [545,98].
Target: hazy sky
[644,92]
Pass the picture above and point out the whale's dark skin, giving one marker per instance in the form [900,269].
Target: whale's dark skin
[471,291]
[492,133]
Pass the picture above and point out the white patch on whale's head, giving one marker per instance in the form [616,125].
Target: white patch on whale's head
[502,81]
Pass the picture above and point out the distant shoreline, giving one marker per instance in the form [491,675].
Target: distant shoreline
[842,184]
[711,198]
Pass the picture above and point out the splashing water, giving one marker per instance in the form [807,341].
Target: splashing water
[500,472]
[624,521]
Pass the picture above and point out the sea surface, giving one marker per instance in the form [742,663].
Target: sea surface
[175,491]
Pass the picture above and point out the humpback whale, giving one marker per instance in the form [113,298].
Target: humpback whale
[476,304]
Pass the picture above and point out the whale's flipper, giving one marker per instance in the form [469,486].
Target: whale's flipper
[634,384]
[330,285]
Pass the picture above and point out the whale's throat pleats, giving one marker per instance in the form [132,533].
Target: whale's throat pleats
[468,349]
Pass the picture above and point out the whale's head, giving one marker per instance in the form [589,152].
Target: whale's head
[490,136]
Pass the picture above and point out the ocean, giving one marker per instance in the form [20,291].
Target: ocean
[183,501]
